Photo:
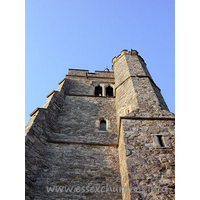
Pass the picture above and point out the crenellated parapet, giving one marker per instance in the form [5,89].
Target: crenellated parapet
[89,75]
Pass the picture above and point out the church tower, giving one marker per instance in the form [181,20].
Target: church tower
[102,135]
[146,130]
[135,88]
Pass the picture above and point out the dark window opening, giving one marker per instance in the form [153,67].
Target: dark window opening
[98,91]
[160,140]
[103,125]
[109,91]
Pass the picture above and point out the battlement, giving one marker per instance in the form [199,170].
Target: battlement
[86,73]
[78,72]
[126,52]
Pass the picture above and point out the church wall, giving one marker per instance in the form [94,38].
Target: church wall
[80,171]
[79,120]
[150,167]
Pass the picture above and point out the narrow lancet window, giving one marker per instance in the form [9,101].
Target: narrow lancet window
[109,91]
[98,91]
[160,140]
[103,125]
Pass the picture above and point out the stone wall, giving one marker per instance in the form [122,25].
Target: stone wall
[64,146]
[146,131]
[35,145]
[125,102]
[150,167]
[86,83]
[80,86]
[148,95]
[38,130]
[88,171]
[123,166]
[135,88]
[69,157]
[80,117]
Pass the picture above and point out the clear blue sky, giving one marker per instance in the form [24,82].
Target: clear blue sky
[63,34]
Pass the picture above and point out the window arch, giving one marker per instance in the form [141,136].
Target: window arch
[98,91]
[109,91]
[103,125]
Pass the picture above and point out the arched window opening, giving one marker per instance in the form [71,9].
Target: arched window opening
[109,91]
[98,91]
[103,125]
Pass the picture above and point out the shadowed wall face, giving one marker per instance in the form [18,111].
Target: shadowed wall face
[81,171]
[77,153]
[80,119]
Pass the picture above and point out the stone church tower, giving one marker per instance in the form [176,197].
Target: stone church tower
[102,135]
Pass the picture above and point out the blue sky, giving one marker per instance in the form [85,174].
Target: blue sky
[87,34]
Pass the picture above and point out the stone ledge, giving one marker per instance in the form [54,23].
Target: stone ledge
[36,110]
[100,77]
[61,81]
[148,118]
[162,133]
[78,70]
[164,148]
[89,76]
[101,72]
[139,76]
[82,143]
[52,92]
[84,95]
